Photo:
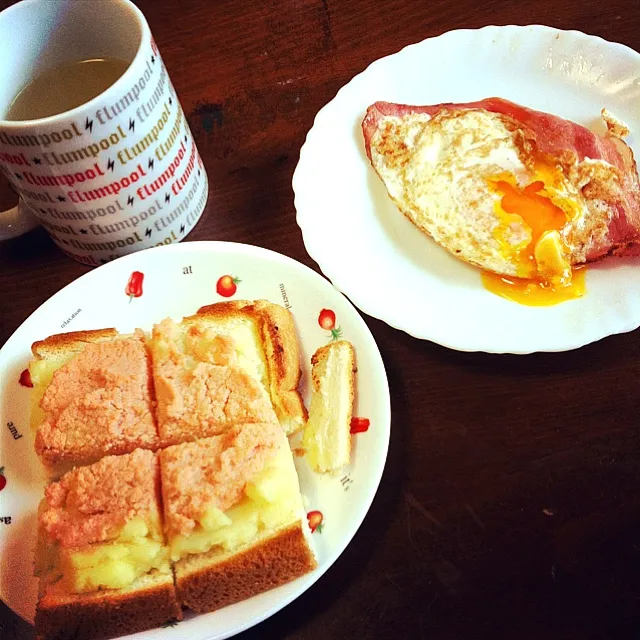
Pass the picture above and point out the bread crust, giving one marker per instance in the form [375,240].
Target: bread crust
[277,330]
[214,580]
[73,341]
[106,614]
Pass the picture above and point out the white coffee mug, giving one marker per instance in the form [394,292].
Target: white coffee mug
[116,174]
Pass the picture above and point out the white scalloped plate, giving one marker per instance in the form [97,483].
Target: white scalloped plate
[178,279]
[392,271]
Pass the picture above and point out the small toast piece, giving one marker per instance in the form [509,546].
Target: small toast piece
[269,348]
[234,516]
[102,559]
[94,394]
[51,354]
[201,389]
[326,438]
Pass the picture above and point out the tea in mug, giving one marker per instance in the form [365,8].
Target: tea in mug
[65,87]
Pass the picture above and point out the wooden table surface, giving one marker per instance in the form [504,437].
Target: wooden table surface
[510,504]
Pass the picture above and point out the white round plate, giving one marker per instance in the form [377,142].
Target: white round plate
[389,268]
[178,279]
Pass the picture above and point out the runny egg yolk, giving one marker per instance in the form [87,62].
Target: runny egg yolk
[541,252]
[537,212]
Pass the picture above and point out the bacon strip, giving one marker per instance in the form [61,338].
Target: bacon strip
[554,136]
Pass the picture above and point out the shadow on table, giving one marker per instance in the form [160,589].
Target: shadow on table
[12,626]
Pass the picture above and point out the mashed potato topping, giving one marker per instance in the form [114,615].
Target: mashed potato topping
[102,523]
[221,491]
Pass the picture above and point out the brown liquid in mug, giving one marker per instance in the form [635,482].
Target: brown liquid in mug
[65,87]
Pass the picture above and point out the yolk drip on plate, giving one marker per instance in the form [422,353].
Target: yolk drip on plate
[529,231]
[534,293]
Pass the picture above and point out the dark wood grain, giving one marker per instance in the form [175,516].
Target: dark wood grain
[509,507]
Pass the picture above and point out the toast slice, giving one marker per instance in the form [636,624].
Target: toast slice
[201,390]
[93,397]
[102,559]
[326,438]
[234,516]
[267,349]
[51,354]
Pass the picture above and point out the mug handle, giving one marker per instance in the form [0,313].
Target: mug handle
[16,221]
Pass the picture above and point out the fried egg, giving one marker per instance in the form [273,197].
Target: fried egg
[472,181]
